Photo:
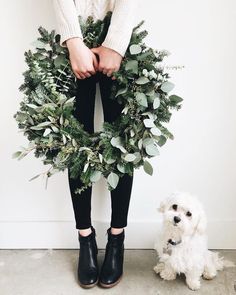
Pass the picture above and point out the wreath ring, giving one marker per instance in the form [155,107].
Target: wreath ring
[46,112]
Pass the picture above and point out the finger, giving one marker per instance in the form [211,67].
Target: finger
[95,50]
[92,72]
[100,68]
[76,73]
[87,74]
[109,73]
[82,75]
[113,78]
[77,76]
[95,62]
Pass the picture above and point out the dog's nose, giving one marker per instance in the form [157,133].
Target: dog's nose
[177,219]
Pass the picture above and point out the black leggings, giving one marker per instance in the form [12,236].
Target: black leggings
[84,112]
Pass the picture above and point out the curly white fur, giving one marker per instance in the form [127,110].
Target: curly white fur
[184,225]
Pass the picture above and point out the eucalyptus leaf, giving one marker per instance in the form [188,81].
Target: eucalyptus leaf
[175,99]
[162,140]
[152,116]
[64,138]
[152,150]
[61,120]
[22,156]
[148,123]
[122,149]
[155,131]
[132,65]
[141,99]
[59,61]
[83,148]
[16,154]
[113,179]
[135,49]
[36,128]
[138,158]
[53,120]
[86,167]
[167,86]
[70,101]
[156,103]
[132,133]
[44,124]
[148,141]
[74,143]
[110,160]
[62,99]
[150,93]
[129,157]
[125,110]
[46,132]
[32,106]
[147,167]
[55,129]
[115,141]
[50,138]
[100,157]
[21,117]
[142,80]
[38,44]
[121,91]
[121,168]
[95,176]
[140,143]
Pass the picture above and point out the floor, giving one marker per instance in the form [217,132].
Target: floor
[53,272]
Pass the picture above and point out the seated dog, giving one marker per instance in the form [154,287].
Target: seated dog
[182,244]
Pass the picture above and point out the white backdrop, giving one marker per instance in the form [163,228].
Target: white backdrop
[202,159]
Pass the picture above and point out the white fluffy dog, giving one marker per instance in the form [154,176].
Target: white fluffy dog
[182,244]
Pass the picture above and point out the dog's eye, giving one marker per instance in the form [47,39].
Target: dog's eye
[174,207]
[189,214]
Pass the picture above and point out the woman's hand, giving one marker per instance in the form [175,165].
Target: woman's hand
[83,61]
[109,60]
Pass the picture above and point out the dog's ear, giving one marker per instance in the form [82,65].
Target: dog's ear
[162,206]
[202,223]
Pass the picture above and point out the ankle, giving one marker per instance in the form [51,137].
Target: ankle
[116,231]
[85,232]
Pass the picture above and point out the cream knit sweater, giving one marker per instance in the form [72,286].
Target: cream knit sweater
[122,21]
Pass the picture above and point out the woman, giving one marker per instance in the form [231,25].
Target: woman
[91,66]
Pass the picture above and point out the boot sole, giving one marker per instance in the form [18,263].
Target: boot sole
[88,286]
[110,285]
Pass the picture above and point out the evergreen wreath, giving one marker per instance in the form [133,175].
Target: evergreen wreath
[55,135]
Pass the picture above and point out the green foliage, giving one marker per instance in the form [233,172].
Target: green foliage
[46,114]
[147,167]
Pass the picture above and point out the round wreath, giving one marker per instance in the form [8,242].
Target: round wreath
[46,111]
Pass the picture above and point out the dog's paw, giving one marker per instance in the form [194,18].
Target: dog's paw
[159,267]
[194,284]
[208,276]
[167,274]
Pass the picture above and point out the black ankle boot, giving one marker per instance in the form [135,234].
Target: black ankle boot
[112,267]
[88,266]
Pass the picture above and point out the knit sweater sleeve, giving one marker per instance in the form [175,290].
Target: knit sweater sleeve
[67,20]
[121,26]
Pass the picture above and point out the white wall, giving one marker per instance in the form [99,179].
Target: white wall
[201,159]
